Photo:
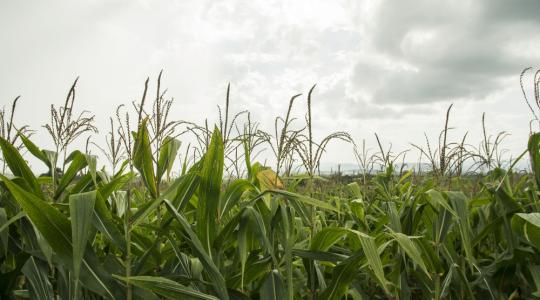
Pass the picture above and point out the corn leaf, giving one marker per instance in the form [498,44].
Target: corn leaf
[407,245]
[232,195]
[78,162]
[167,155]
[528,226]
[342,276]
[165,287]
[142,158]
[81,208]
[209,191]
[56,229]
[273,287]
[193,240]
[373,258]
[36,274]
[18,166]
[327,237]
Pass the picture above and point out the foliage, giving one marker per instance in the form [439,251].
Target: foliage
[207,233]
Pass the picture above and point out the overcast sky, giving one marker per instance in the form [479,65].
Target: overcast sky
[390,67]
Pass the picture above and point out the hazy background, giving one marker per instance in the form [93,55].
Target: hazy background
[390,67]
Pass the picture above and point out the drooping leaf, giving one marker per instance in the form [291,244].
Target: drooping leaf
[303,199]
[373,258]
[6,224]
[34,150]
[166,287]
[528,226]
[437,200]
[51,223]
[18,166]
[406,243]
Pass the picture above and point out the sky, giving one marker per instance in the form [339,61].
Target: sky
[390,67]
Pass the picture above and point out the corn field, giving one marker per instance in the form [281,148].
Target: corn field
[158,219]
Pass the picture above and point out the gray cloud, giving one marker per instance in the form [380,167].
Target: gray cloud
[433,51]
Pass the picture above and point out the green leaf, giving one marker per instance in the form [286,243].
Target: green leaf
[273,287]
[534,153]
[209,191]
[243,249]
[142,158]
[327,237]
[301,198]
[407,245]
[115,184]
[342,276]
[104,222]
[56,229]
[354,189]
[91,161]
[78,162]
[528,226]
[254,271]
[4,223]
[167,155]
[257,219]
[165,287]
[460,205]
[319,255]
[151,206]
[195,243]
[187,186]
[51,223]
[18,166]
[81,208]
[232,195]
[373,258]
[437,199]
[535,274]
[34,150]
[36,274]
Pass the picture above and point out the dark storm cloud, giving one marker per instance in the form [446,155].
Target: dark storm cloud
[433,51]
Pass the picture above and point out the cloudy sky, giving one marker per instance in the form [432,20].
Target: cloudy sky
[390,67]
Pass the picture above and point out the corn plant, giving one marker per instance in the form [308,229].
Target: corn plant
[131,229]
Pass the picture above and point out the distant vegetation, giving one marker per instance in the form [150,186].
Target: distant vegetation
[208,221]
